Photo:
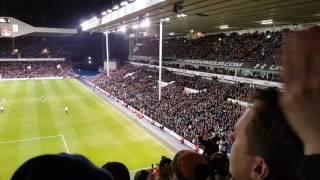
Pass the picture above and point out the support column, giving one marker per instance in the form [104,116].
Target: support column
[160,60]
[107,53]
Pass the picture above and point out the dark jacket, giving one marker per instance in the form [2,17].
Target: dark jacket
[310,168]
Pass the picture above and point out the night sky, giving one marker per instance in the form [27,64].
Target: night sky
[54,13]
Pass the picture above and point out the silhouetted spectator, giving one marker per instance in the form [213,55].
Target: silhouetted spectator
[60,167]
[165,168]
[118,170]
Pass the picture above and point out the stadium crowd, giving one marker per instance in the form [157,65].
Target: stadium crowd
[276,138]
[35,69]
[188,114]
[247,47]
[32,47]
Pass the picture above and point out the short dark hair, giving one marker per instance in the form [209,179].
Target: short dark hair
[141,175]
[189,165]
[270,136]
[62,167]
[219,164]
[118,170]
[164,174]
[164,160]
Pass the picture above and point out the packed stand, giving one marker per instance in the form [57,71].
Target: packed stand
[186,114]
[255,47]
[33,47]
[35,69]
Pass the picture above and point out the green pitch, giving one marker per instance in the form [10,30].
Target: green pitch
[93,127]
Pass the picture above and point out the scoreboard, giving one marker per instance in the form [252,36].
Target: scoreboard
[6,28]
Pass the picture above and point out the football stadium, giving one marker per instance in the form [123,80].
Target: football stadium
[160,90]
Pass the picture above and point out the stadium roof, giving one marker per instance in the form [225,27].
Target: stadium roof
[222,15]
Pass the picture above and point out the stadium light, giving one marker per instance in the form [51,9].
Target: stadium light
[219,39]
[135,26]
[191,31]
[123,29]
[116,7]
[165,20]
[124,3]
[45,51]
[224,26]
[266,22]
[182,15]
[104,13]
[89,62]
[145,23]
[171,33]
[109,11]
[89,58]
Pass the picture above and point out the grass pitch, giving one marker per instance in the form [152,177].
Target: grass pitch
[93,127]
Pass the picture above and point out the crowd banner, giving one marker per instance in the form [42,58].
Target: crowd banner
[242,103]
[155,123]
[191,91]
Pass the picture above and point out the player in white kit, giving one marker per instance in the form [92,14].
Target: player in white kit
[1,110]
[66,109]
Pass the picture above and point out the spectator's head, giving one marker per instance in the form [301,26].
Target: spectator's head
[219,165]
[62,167]
[118,170]
[141,175]
[189,165]
[165,166]
[264,146]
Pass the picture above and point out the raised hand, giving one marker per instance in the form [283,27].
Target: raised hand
[301,101]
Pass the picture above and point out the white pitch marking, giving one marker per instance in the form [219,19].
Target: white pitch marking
[30,139]
[65,143]
[127,118]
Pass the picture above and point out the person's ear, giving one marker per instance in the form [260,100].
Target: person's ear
[260,169]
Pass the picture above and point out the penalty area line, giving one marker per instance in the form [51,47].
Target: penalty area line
[64,143]
[29,139]
[39,139]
